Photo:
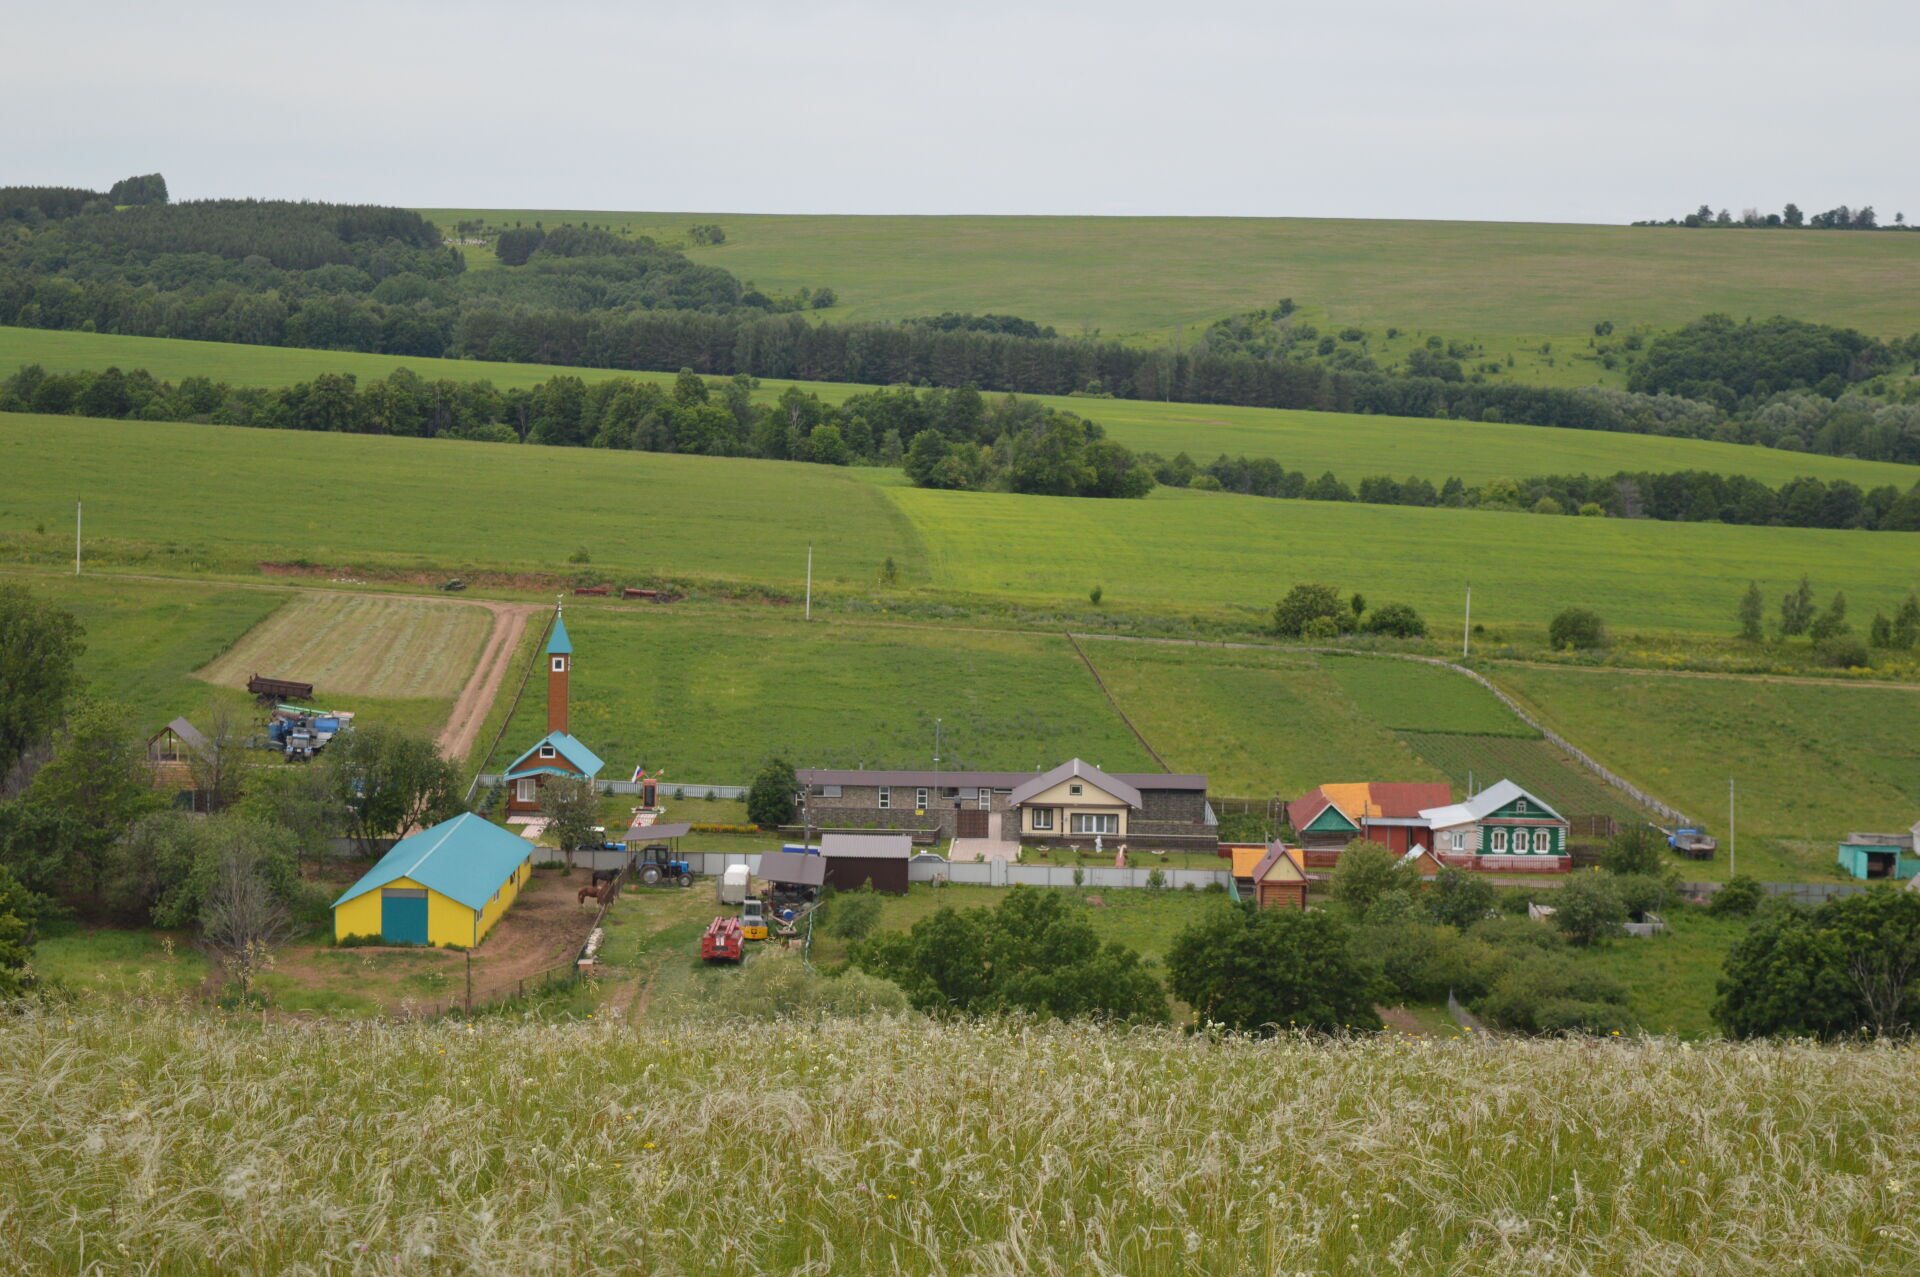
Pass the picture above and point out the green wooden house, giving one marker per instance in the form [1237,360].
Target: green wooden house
[1503,821]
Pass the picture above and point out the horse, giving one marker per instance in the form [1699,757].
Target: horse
[586,893]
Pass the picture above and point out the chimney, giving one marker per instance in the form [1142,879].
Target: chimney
[559,664]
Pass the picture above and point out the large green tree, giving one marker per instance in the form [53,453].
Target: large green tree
[572,809]
[1265,971]
[1367,871]
[1034,952]
[39,644]
[99,779]
[1850,966]
[389,782]
[770,796]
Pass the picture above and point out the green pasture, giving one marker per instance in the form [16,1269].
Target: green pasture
[1257,723]
[1812,762]
[1209,552]
[1350,445]
[1161,276]
[171,497]
[1411,696]
[708,696]
[111,965]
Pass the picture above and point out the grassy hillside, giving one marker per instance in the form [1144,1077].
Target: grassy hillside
[709,696]
[1350,445]
[448,507]
[913,1147]
[1811,762]
[1155,275]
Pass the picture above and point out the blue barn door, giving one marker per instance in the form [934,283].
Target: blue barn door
[403,915]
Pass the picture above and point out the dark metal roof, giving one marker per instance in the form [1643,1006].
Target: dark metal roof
[977,780]
[655,833]
[793,866]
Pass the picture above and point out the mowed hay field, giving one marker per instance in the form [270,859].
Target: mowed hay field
[1350,445]
[1812,762]
[178,1143]
[1153,275]
[360,646]
[440,505]
[710,695]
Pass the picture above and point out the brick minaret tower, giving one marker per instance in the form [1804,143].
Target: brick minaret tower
[559,661]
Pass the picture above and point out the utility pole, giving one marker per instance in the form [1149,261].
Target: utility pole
[1466,626]
[809,580]
[936,744]
[76,536]
[1732,844]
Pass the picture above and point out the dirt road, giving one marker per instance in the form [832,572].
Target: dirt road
[477,697]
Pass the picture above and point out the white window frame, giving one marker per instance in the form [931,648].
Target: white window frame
[1499,841]
[1543,842]
[523,789]
[920,798]
[1458,839]
[548,751]
[1042,821]
[559,665]
[886,798]
[1096,822]
[984,796]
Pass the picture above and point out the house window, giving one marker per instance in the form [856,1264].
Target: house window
[559,665]
[1095,822]
[1042,819]
[1458,839]
[1074,790]
[920,800]
[826,791]
[1521,807]
[1499,841]
[523,789]
[1543,841]
[546,751]
[985,799]
[886,798]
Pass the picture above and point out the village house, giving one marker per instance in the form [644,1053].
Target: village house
[1502,827]
[1280,878]
[557,754]
[1327,818]
[1074,804]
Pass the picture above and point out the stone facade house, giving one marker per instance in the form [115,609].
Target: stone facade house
[1073,804]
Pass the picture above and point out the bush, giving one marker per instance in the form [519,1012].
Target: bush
[1588,908]
[1367,871]
[1267,970]
[1553,995]
[1739,896]
[1518,936]
[1303,604]
[852,915]
[1642,894]
[1577,627]
[1843,652]
[1420,963]
[1634,850]
[1459,899]
[1395,620]
[1246,826]
[1321,627]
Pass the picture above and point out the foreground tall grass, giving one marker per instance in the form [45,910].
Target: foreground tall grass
[163,1141]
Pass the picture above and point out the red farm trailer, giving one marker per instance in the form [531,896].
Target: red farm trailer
[723,942]
[279,689]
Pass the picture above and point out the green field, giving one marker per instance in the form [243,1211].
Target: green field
[1257,723]
[1811,762]
[175,1142]
[1350,445]
[520,509]
[709,695]
[1411,696]
[1156,275]
[1537,766]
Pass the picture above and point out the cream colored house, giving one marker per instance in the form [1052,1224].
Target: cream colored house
[1075,800]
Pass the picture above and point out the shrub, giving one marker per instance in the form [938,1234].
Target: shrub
[1843,652]
[1518,935]
[1642,894]
[1246,826]
[1552,995]
[1459,899]
[1588,908]
[1634,850]
[1303,604]
[852,915]
[1095,595]
[1577,627]
[1739,896]
[1321,627]
[1395,620]
[1423,963]
[1366,871]
[580,555]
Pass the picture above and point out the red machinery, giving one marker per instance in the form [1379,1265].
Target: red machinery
[723,942]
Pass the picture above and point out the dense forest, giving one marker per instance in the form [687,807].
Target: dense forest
[956,439]
[373,279]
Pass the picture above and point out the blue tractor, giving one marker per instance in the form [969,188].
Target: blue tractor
[656,862]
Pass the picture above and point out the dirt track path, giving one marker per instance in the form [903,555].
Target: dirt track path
[476,699]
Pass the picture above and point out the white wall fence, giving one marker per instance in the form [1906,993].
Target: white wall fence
[984,873]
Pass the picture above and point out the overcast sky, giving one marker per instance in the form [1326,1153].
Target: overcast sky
[1514,111]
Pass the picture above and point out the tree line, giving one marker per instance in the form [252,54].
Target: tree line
[955,439]
[1791,217]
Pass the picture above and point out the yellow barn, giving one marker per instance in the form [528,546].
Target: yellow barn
[446,885]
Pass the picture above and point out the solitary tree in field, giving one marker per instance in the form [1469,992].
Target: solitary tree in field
[1751,609]
[1576,627]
